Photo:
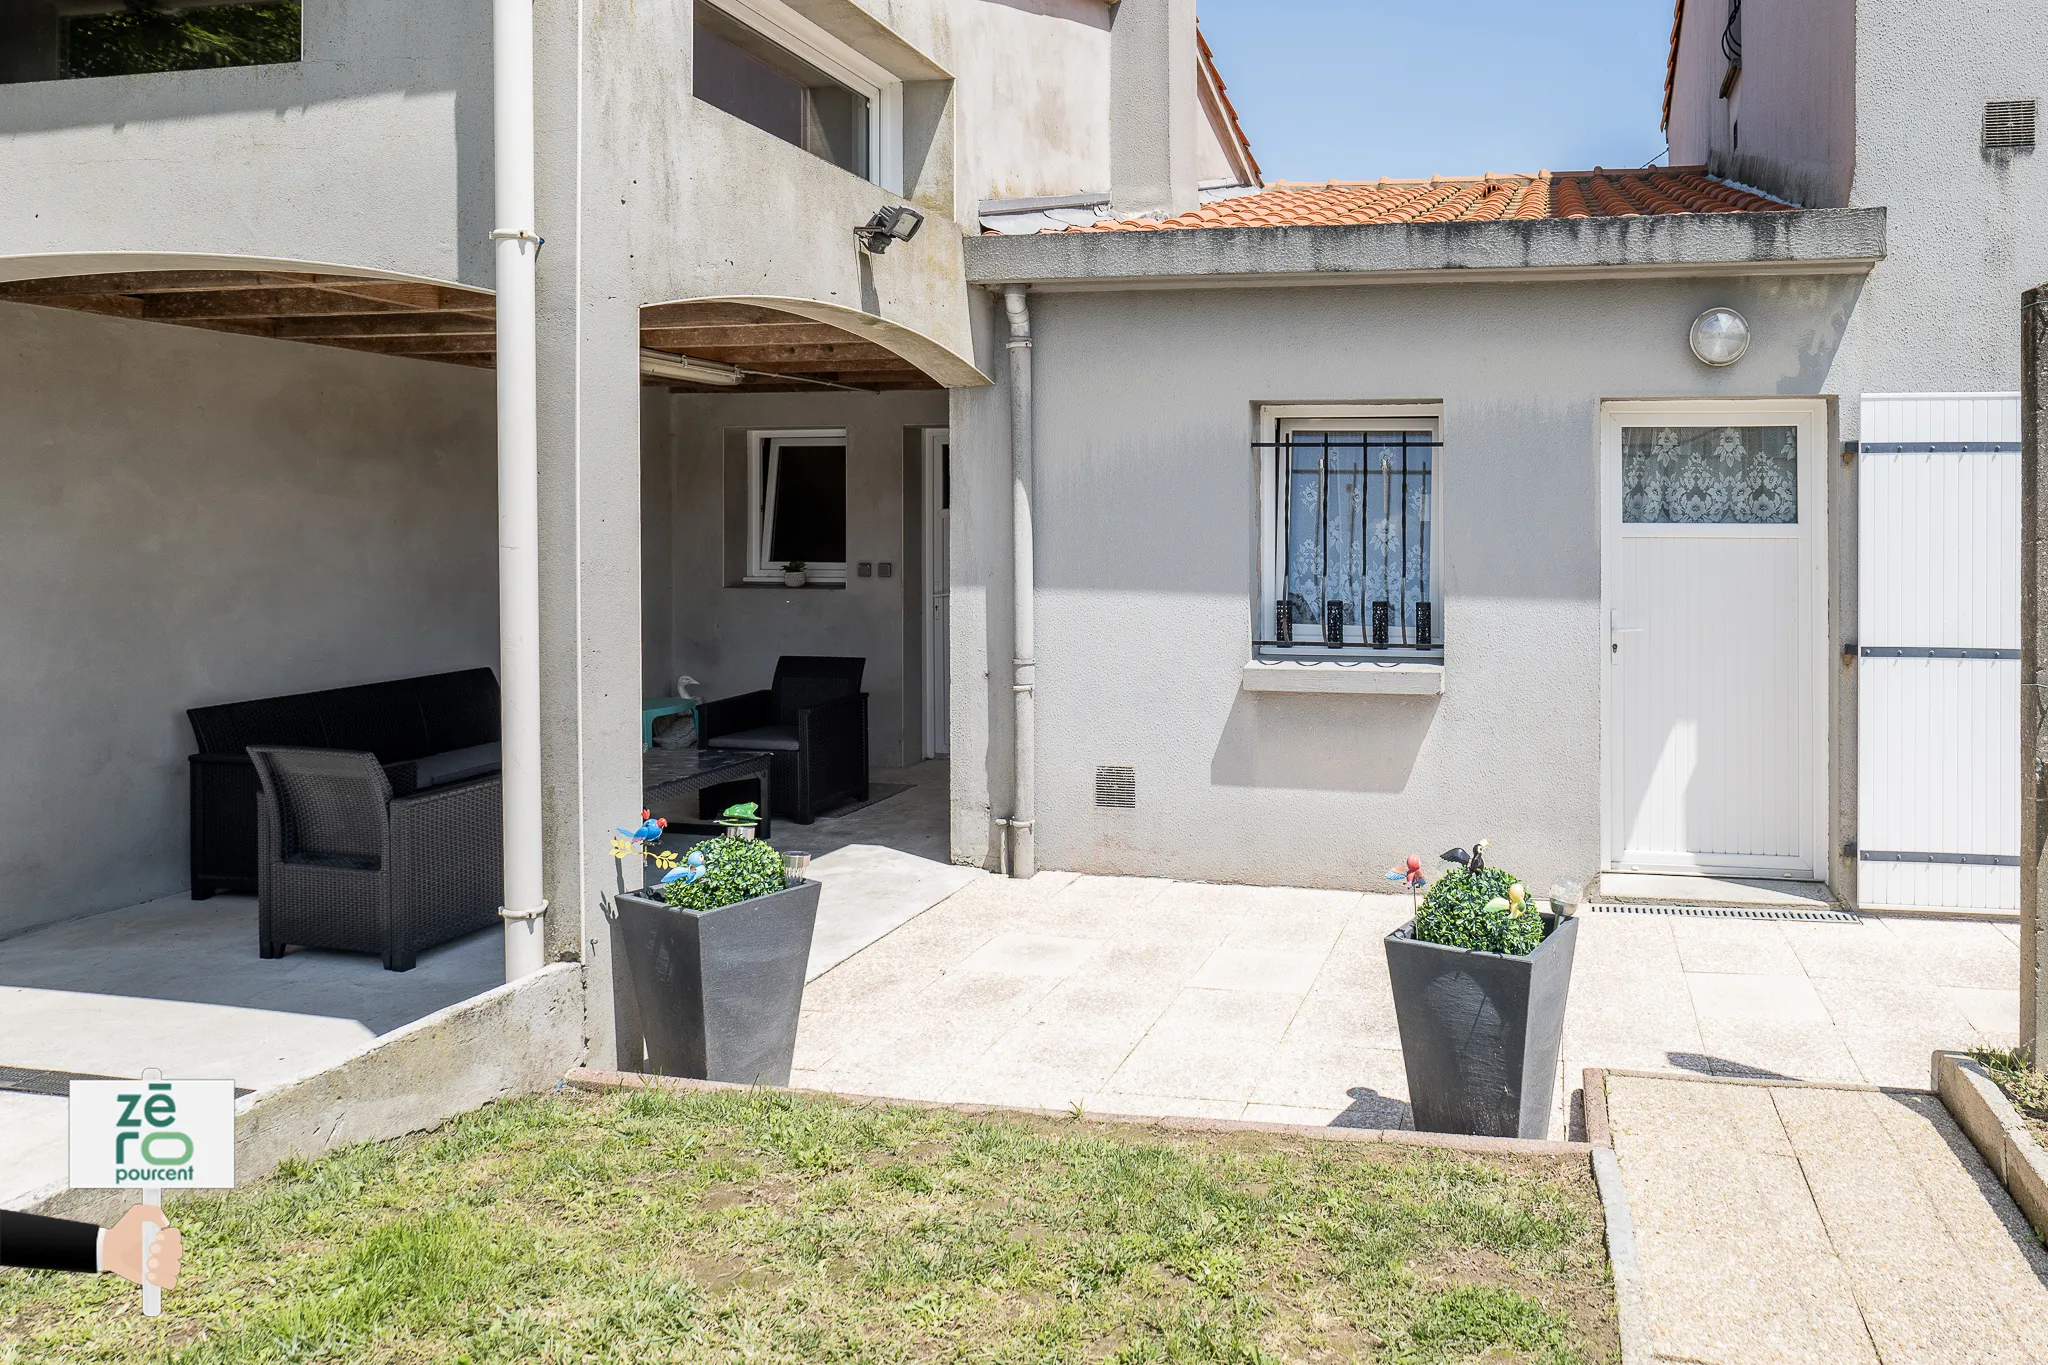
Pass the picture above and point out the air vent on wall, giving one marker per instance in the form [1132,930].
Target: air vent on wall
[1116,788]
[2009,126]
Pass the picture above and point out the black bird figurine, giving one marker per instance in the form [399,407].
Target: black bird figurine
[1475,861]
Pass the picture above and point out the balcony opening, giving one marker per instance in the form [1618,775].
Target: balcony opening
[748,75]
[44,40]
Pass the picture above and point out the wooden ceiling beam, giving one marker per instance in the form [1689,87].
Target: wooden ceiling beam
[826,368]
[681,339]
[386,325]
[111,305]
[415,345]
[711,315]
[263,303]
[159,282]
[837,351]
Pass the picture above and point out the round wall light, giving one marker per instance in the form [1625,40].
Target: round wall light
[1720,336]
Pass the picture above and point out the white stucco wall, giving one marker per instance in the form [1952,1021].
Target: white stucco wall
[728,635]
[1146,403]
[188,517]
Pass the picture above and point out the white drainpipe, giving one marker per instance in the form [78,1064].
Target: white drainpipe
[1023,859]
[517,245]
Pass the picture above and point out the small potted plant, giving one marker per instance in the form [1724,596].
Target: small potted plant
[716,953]
[793,574]
[1480,977]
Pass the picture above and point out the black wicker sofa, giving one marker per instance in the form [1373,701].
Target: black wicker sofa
[426,731]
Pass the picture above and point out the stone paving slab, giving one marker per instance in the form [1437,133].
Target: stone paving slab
[1799,1223]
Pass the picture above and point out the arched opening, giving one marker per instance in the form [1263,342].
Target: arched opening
[793,493]
[192,517]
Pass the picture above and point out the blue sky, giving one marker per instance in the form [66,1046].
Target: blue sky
[1358,89]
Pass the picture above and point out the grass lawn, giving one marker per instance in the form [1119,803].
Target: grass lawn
[735,1226]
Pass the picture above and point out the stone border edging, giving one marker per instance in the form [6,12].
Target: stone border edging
[587,1078]
[1593,1105]
[2001,1135]
[1773,1083]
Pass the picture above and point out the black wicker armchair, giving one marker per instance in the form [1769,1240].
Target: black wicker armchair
[813,725]
[344,864]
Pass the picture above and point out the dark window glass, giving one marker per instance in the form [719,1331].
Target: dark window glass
[807,504]
[739,71]
[40,42]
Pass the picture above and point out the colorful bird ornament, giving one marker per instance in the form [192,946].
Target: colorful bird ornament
[691,870]
[1473,862]
[1409,874]
[650,828]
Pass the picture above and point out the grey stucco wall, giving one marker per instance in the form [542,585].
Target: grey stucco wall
[372,151]
[1146,404]
[190,517]
[729,636]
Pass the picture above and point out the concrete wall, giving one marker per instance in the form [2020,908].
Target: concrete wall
[1789,125]
[1146,404]
[189,517]
[729,634]
[373,151]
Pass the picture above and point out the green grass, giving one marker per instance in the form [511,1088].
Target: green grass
[736,1226]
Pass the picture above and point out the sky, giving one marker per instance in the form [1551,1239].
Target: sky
[1358,89]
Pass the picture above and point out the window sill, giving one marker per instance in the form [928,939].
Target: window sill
[784,587]
[1332,677]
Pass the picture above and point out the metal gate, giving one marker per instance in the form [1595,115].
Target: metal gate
[1938,824]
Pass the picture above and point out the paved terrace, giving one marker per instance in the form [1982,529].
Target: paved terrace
[1147,996]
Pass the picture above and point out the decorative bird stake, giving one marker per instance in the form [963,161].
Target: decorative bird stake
[691,870]
[650,829]
[1473,862]
[1409,874]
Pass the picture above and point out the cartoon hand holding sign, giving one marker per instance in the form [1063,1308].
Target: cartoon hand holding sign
[149,1135]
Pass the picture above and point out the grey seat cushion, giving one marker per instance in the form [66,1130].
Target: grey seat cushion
[457,765]
[778,738]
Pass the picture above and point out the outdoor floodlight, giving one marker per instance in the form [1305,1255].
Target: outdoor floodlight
[689,369]
[1720,336]
[891,223]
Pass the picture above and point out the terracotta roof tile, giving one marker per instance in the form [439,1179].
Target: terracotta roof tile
[1597,193]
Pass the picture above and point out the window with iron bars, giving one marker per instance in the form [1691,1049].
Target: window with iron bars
[1349,543]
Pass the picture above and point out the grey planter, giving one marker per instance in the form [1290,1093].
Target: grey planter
[1480,1032]
[719,991]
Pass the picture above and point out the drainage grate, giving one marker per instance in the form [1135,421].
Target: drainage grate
[1726,912]
[2009,126]
[1116,788]
[27,1080]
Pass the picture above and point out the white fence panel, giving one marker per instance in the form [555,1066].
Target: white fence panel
[1938,731]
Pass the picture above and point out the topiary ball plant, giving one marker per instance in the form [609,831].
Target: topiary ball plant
[734,870]
[1464,909]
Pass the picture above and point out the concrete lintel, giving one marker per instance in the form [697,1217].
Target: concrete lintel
[1805,241]
[1351,677]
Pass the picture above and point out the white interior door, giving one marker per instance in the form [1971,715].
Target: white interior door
[938,502]
[1716,644]
[1938,635]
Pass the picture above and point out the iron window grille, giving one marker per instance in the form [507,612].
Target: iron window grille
[1353,519]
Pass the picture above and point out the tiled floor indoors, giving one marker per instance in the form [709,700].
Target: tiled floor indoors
[1129,995]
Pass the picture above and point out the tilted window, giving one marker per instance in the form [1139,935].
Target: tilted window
[797,504]
[1349,536]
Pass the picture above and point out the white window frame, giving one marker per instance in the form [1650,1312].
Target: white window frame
[882,88]
[1275,421]
[763,449]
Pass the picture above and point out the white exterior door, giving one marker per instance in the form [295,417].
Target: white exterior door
[938,625]
[1716,644]
[1938,635]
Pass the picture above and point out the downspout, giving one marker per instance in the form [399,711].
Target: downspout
[516,245]
[1023,856]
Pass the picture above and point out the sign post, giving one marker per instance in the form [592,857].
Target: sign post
[151,1135]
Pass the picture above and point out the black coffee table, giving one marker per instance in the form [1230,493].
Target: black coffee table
[669,774]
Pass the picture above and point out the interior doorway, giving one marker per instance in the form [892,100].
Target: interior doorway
[1715,603]
[938,501]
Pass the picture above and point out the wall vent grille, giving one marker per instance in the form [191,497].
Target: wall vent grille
[1116,787]
[2009,126]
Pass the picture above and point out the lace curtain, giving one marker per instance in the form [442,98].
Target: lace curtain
[1358,527]
[1710,474]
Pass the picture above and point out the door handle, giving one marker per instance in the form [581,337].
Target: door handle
[1615,630]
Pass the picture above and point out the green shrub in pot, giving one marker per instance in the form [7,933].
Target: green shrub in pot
[734,870]
[1480,911]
